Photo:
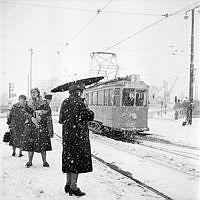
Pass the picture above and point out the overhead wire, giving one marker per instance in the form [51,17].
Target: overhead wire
[79,9]
[90,20]
[26,38]
[98,11]
[152,24]
[47,6]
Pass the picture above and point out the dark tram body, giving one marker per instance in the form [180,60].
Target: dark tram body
[120,104]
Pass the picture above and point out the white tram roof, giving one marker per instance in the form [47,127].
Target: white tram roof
[125,82]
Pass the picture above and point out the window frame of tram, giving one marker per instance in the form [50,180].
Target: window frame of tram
[128,100]
[91,98]
[100,96]
[87,98]
[116,95]
[141,97]
[108,97]
[105,100]
[95,98]
[136,95]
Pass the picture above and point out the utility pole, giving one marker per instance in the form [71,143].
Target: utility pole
[9,90]
[191,71]
[30,73]
[28,89]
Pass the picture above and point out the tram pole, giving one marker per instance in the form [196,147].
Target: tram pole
[191,83]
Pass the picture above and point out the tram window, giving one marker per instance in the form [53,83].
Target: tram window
[91,98]
[141,98]
[95,98]
[105,97]
[116,100]
[87,97]
[128,98]
[100,97]
[110,97]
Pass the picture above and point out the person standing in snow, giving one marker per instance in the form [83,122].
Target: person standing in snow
[16,119]
[36,136]
[48,98]
[76,155]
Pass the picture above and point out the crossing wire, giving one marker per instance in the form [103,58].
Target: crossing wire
[78,9]
[90,20]
[149,26]
[47,6]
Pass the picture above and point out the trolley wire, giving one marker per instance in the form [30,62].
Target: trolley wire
[89,21]
[152,24]
[80,9]
[47,6]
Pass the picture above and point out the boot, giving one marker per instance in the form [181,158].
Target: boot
[68,182]
[45,164]
[76,192]
[67,188]
[28,164]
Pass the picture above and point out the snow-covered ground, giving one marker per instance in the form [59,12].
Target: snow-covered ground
[167,128]
[37,182]
[174,176]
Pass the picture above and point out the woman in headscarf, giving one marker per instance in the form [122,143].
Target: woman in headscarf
[76,156]
[36,137]
[16,120]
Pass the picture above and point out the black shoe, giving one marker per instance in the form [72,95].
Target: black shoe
[28,164]
[67,188]
[13,154]
[45,164]
[20,155]
[76,192]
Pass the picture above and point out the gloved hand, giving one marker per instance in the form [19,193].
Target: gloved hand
[34,120]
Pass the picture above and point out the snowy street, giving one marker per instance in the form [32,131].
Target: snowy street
[108,92]
[37,182]
[160,170]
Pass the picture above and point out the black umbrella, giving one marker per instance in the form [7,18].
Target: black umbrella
[86,81]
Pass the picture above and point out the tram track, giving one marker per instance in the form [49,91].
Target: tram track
[152,138]
[141,139]
[128,175]
[175,152]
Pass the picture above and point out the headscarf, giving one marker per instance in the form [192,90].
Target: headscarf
[36,90]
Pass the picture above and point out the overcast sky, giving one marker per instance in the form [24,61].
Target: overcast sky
[73,28]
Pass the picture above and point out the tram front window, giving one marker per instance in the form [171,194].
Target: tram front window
[133,97]
[128,98]
[141,99]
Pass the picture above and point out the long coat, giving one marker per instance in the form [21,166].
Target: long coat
[50,124]
[16,120]
[76,155]
[37,139]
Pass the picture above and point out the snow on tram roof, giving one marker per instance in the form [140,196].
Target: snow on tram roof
[120,80]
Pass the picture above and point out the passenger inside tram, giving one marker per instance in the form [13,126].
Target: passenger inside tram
[128,97]
[132,97]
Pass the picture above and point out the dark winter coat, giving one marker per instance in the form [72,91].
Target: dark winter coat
[76,155]
[37,139]
[50,124]
[16,120]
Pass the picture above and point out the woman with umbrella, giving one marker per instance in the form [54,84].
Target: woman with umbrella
[76,155]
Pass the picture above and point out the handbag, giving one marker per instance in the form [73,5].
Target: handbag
[6,137]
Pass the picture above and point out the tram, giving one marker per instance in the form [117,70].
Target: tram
[119,104]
